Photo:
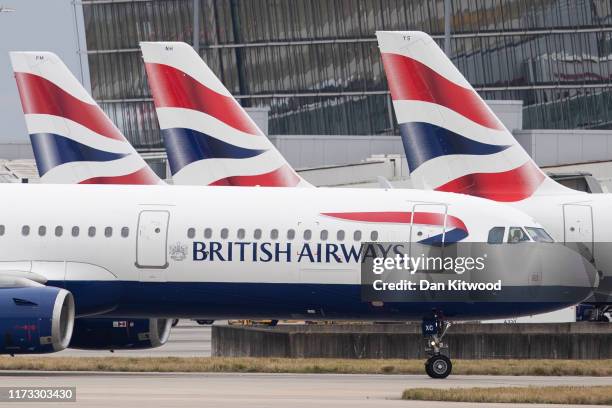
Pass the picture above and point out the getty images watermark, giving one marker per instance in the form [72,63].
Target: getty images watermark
[38,394]
[459,265]
[461,272]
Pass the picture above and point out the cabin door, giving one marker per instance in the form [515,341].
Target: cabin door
[151,245]
[578,228]
[427,229]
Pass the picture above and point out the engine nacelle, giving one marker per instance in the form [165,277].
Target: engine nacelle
[119,333]
[35,319]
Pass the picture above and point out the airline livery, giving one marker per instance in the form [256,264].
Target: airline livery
[209,137]
[72,138]
[95,258]
[209,252]
[455,143]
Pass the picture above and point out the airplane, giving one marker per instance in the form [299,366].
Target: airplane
[73,140]
[209,138]
[455,143]
[160,252]
[96,334]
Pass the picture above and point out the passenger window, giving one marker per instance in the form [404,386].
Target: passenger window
[516,235]
[191,233]
[91,232]
[257,234]
[240,234]
[290,234]
[307,234]
[1,230]
[75,231]
[42,231]
[324,235]
[125,232]
[274,234]
[374,236]
[59,231]
[539,235]
[207,233]
[496,235]
[357,235]
[224,233]
[108,232]
[340,235]
[25,230]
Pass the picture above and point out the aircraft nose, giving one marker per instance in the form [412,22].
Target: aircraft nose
[568,270]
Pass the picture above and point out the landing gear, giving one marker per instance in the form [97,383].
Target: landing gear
[603,314]
[438,365]
[204,322]
[594,313]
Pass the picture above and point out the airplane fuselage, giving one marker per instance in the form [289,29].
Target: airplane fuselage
[579,218]
[223,252]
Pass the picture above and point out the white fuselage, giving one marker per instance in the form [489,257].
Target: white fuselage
[197,251]
[575,217]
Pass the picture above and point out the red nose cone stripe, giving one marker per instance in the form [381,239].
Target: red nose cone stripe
[411,80]
[401,217]
[143,176]
[509,186]
[282,177]
[40,96]
[172,88]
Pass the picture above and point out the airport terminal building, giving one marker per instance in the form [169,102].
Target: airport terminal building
[315,63]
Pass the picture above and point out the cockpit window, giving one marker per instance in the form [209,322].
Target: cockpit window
[539,235]
[496,235]
[516,235]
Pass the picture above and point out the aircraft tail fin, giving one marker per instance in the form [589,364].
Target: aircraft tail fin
[453,141]
[209,138]
[72,138]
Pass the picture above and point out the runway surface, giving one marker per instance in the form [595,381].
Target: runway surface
[255,390]
[187,339]
[263,390]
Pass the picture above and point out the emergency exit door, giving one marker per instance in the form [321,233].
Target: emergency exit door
[578,228]
[151,243]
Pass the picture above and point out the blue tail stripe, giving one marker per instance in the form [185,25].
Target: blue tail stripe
[425,141]
[450,237]
[185,146]
[51,150]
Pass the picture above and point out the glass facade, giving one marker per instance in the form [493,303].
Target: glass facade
[315,63]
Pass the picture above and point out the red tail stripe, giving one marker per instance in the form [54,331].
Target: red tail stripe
[172,88]
[401,217]
[144,176]
[508,186]
[282,177]
[41,96]
[411,80]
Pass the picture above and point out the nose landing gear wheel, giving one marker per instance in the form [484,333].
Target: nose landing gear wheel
[438,366]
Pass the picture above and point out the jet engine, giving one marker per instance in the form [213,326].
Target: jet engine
[119,333]
[35,319]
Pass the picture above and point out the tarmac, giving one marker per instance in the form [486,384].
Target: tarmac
[119,390]
[223,390]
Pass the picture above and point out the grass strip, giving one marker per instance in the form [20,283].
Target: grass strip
[575,395]
[306,365]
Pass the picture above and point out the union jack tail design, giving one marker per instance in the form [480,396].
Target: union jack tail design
[72,138]
[209,138]
[453,141]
